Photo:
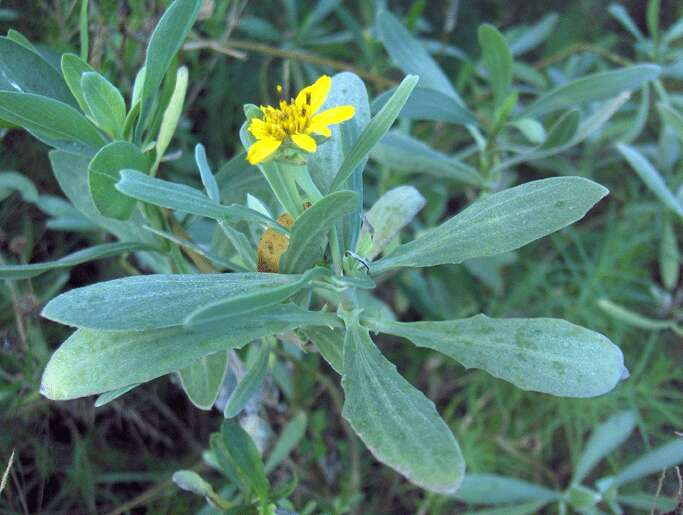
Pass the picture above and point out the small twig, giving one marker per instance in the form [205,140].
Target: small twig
[581,47]
[660,483]
[297,55]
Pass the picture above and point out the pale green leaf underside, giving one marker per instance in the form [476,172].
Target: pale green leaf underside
[540,354]
[499,223]
[91,362]
[398,424]
[203,379]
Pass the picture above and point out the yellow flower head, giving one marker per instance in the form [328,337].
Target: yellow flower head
[295,121]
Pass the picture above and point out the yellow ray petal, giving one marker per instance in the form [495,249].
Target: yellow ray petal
[262,149]
[333,115]
[321,129]
[258,128]
[318,92]
[304,141]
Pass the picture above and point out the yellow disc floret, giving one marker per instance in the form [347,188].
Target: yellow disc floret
[294,121]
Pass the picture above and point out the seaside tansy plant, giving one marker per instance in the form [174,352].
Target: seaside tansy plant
[195,301]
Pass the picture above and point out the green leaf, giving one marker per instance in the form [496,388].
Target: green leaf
[143,302]
[169,122]
[598,86]
[651,177]
[498,61]
[103,174]
[672,118]
[539,354]
[186,199]
[290,437]
[499,223]
[55,123]
[391,213]
[192,482]
[73,68]
[374,131]
[14,181]
[526,508]
[25,71]
[82,256]
[666,456]
[203,379]
[251,298]
[494,489]
[208,179]
[530,37]
[307,236]
[634,319]
[563,131]
[330,343]
[429,104]
[605,438]
[251,382]
[622,16]
[244,458]
[105,103]
[166,40]
[410,56]
[404,153]
[91,362]
[397,423]
[108,397]
[669,256]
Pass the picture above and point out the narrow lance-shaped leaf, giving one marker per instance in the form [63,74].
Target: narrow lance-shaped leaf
[540,354]
[250,383]
[494,489]
[499,223]
[73,68]
[91,362]
[105,103]
[308,233]
[374,131]
[203,379]
[166,40]
[661,458]
[411,56]
[186,199]
[399,425]
[82,256]
[244,458]
[598,86]
[651,177]
[290,437]
[169,122]
[51,121]
[498,61]
[144,302]
[607,436]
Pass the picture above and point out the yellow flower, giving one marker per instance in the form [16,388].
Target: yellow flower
[295,121]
